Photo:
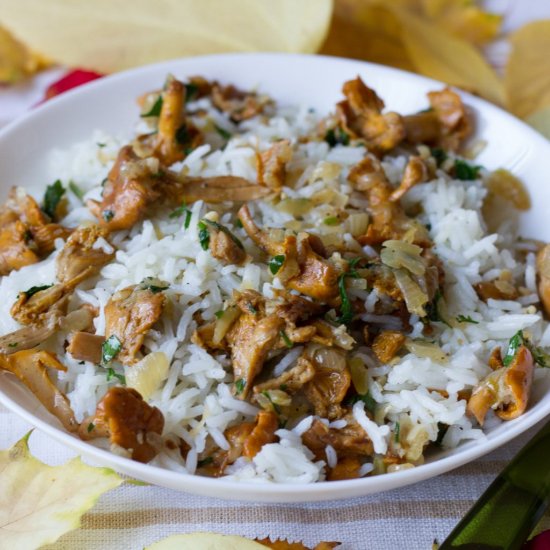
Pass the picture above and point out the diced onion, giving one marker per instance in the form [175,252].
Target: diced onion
[295,207]
[147,375]
[359,375]
[415,298]
[224,323]
[357,224]
[399,254]
[421,348]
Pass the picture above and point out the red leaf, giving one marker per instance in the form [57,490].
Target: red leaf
[540,542]
[70,80]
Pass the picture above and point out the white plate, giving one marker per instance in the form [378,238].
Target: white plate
[109,104]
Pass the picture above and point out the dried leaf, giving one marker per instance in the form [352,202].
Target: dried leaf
[151,31]
[528,72]
[464,18]
[16,61]
[205,541]
[540,121]
[39,502]
[438,54]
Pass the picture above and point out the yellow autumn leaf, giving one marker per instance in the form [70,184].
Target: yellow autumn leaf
[110,35]
[205,541]
[16,60]
[464,18]
[438,54]
[528,71]
[540,121]
[39,502]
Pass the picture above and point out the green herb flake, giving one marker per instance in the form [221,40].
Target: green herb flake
[52,197]
[283,387]
[276,407]
[13,344]
[110,349]
[219,314]
[331,220]
[91,427]
[238,223]
[108,215]
[204,235]
[182,135]
[251,308]
[397,432]
[187,219]
[191,92]
[439,155]
[111,373]
[155,109]
[540,357]
[466,319]
[77,192]
[276,263]
[101,145]
[34,289]
[370,403]
[240,385]
[205,461]
[336,136]
[288,342]
[222,132]
[150,284]
[224,229]
[346,309]
[465,171]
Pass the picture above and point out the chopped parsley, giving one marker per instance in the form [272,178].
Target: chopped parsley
[182,135]
[205,461]
[108,215]
[111,373]
[238,223]
[77,192]
[346,309]
[180,210]
[466,319]
[331,220]
[191,91]
[397,432]
[101,145]
[465,171]
[155,109]
[219,314]
[432,309]
[283,387]
[13,344]
[91,427]
[52,197]
[34,289]
[204,235]
[288,342]
[439,155]
[222,132]
[276,263]
[336,136]
[149,283]
[370,403]
[224,229]
[276,407]
[540,357]
[110,349]
[239,385]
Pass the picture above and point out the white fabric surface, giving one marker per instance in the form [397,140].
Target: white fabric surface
[132,517]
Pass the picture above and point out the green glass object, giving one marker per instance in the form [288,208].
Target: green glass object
[511,507]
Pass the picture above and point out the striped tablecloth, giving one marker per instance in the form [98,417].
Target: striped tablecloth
[132,517]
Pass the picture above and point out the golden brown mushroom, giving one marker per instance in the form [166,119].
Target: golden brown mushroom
[31,367]
[506,389]
[128,421]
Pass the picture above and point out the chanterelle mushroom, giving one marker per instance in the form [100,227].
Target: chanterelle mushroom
[129,314]
[30,366]
[128,421]
[506,389]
